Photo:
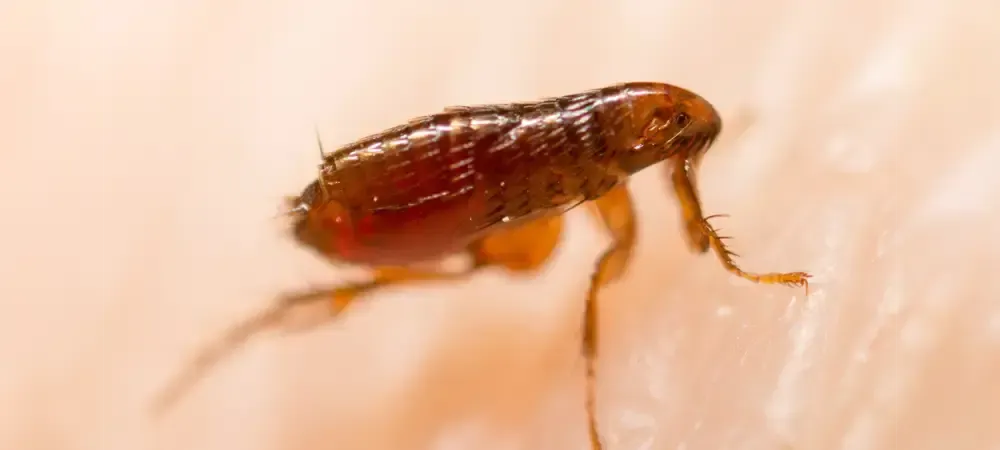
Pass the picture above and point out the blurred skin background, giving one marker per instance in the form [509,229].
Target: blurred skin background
[145,148]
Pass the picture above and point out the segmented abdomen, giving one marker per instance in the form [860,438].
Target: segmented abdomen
[439,180]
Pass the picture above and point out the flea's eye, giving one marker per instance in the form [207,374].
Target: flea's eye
[682,119]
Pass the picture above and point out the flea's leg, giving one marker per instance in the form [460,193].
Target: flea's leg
[522,248]
[274,316]
[615,211]
[682,175]
[701,235]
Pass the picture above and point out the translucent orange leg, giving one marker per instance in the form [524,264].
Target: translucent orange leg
[701,235]
[522,248]
[682,175]
[617,214]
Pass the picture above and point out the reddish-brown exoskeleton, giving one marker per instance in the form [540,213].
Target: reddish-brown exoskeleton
[494,181]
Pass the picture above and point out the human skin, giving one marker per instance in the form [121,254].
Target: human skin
[146,148]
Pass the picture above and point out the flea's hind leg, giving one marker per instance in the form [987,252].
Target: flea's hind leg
[616,212]
[274,316]
[522,248]
[701,235]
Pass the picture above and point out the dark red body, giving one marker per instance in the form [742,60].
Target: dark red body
[428,188]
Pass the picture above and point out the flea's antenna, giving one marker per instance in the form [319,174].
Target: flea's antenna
[322,157]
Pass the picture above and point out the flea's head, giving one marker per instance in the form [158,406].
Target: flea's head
[665,122]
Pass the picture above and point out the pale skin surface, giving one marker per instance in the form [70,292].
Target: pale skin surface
[146,147]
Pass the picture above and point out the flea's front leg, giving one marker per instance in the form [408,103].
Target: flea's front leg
[702,236]
[682,175]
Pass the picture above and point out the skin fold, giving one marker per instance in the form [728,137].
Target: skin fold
[147,149]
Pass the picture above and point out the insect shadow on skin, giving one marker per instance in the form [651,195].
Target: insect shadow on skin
[493,182]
